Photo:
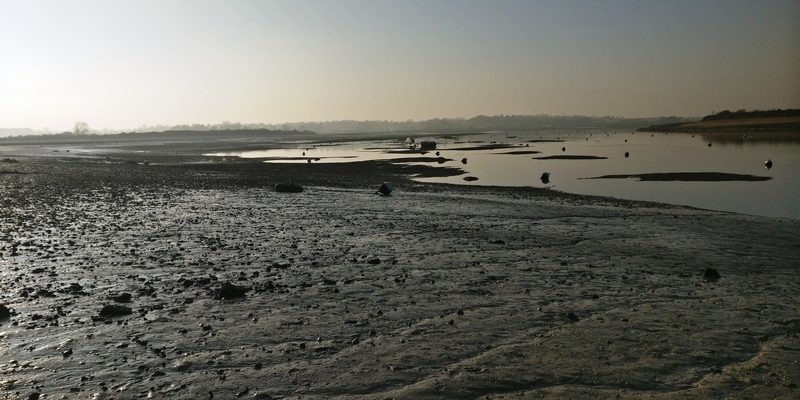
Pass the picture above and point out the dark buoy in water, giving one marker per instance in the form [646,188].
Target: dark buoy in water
[563,149]
[464,160]
[386,189]
[545,178]
[627,154]
[768,164]
[437,153]
[626,140]
[709,144]
[470,178]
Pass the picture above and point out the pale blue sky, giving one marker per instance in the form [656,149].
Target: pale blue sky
[121,64]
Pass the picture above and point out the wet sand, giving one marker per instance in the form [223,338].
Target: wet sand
[438,291]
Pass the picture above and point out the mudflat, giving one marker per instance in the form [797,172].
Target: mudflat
[196,280]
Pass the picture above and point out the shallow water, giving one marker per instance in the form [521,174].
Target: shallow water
[649,152]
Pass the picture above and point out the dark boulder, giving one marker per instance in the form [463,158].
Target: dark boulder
[386,188]
[122,298]
[114,310]
[5,313]
[427,145]
[571,317]
[288,188]
[230,291]
[711,275]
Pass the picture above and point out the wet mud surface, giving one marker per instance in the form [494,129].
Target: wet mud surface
[197,281]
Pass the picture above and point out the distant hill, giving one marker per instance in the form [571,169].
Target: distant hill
[737,121]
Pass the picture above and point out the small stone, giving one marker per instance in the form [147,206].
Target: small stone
[460,312]
[711,275]
[33,396]
[5,313]
[183,366]
[261,396]
[66,353]
[571,317]
[122,298]
[259,365]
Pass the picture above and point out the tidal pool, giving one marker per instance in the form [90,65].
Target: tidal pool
[570,157]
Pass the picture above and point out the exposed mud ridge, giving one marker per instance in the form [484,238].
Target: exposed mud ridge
[570,157]
[186,281]
[688,177]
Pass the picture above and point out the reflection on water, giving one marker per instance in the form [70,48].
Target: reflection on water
[646,153]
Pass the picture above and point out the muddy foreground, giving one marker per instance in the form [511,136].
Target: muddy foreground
[435,292]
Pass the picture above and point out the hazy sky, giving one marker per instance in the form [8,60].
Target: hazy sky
[121,64]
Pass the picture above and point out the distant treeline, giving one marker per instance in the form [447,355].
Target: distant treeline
[743,114]
[479,123]
[738,121]
[163,136]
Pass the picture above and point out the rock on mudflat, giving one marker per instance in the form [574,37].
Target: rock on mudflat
[571,317]
[711,275]
[114,310]
[5,313]
[122,298]
[229,291]
[288,188]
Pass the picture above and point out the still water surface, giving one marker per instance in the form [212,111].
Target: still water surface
[649,153]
